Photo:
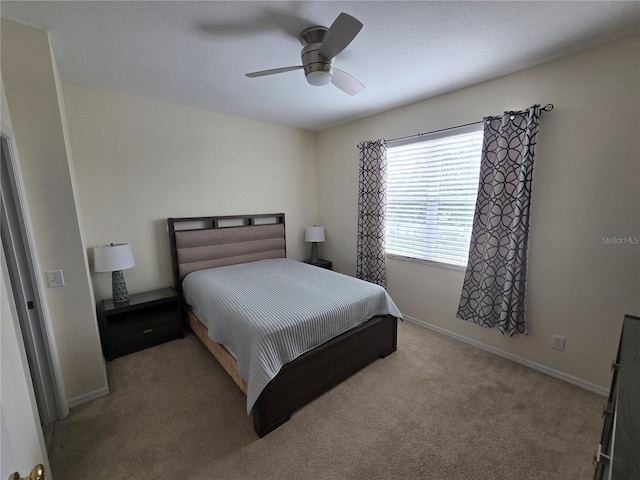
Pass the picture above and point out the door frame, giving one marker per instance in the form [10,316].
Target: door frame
[40,298]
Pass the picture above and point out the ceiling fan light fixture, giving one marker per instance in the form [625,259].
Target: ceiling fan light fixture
[318,78]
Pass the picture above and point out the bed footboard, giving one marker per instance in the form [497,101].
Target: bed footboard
[320,369]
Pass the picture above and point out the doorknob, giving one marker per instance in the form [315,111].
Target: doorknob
[36,474]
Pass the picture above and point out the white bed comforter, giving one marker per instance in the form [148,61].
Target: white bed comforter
[270,312]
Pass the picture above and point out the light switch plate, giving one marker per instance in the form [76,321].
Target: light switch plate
[55,278]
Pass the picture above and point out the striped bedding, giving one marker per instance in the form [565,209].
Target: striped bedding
[272,311]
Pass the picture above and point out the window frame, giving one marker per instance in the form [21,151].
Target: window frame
[423,138]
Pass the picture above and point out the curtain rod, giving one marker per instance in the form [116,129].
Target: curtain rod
[547,108]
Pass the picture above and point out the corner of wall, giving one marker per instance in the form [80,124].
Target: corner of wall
[72,170]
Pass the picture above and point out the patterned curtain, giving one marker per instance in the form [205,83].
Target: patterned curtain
[494,286]
[372,204]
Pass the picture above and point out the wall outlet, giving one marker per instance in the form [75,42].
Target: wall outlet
[557,342]
[55,278]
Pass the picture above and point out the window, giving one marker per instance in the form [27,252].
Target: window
[432,184]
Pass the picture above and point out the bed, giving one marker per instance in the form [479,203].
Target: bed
[231,245]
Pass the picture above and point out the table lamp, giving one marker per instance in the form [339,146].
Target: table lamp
[314,234]
[114,257]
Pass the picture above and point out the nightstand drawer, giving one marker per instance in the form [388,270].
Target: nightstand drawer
[143,326]
[144,336]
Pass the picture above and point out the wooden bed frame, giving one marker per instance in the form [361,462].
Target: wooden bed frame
[309,375]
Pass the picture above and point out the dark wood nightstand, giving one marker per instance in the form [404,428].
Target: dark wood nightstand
[321,263]
[147,319]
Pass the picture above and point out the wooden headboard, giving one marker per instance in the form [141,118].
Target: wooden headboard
[206,242]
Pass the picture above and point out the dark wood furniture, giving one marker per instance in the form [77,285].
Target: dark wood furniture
[147,319]
[321,263]
[306,377]
[618,457]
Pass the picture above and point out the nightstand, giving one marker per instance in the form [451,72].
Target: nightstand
[321,263]
[147,319]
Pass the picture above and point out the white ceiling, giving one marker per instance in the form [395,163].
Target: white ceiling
[196,53]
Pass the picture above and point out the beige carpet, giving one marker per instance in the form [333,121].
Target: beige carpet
[435,409]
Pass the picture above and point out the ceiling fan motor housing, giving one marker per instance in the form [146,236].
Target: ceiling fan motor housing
[317,69]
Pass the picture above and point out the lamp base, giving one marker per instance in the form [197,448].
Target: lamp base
[314,252]
[120,294]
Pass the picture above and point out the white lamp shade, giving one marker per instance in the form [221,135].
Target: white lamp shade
[112,257]
[314,234]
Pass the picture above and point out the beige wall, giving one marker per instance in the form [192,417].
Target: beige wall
[586,186]
[29,78]
[139,161]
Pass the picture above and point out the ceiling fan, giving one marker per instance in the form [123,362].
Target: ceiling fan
[320,47]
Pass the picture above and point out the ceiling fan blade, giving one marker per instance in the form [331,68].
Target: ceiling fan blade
[273,71]
[346,82]
[340,34]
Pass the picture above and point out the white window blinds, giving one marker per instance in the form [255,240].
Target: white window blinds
[432,184]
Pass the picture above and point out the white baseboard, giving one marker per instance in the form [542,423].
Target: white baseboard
[592,387]
[87,397]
